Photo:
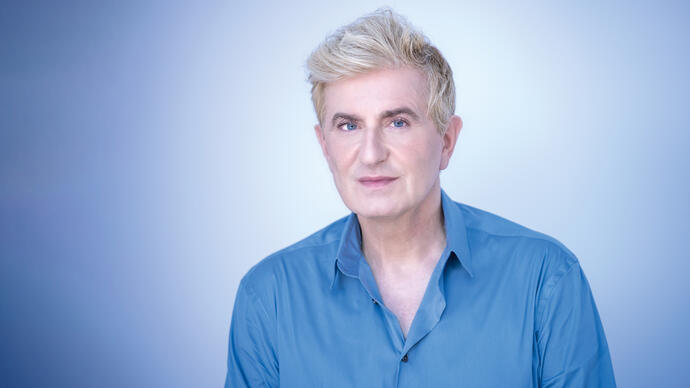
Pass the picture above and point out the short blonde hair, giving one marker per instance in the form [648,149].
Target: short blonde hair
[382,39]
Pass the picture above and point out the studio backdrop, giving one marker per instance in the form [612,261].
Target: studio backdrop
[151,152]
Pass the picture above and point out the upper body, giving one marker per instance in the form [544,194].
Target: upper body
[505,307]
[412,288]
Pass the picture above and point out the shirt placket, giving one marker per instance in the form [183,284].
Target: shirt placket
[428,314]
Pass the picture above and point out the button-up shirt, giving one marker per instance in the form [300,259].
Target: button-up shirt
[505,307]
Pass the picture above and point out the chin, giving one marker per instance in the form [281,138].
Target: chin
[372,209]
[371,205]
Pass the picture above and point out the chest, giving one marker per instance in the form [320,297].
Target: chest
[346,340]
[403,294]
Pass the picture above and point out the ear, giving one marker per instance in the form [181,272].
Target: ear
[449,140]
[320,136]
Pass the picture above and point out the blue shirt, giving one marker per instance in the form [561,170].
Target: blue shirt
[505,307]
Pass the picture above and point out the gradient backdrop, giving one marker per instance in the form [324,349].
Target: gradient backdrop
[151,152]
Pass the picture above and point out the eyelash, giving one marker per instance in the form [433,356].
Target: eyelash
[339,126]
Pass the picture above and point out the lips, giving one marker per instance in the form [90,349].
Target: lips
[376,181]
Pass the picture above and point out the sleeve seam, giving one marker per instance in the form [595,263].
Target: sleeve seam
[249,290]
[255,297]
[551,291]
[559,281]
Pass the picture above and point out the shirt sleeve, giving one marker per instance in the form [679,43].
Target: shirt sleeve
[572,347]
[252,360]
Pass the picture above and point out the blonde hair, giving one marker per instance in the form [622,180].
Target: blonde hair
[382,39]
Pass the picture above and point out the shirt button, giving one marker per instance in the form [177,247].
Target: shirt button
[404,359]
[374,300]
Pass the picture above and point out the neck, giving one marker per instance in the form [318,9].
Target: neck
[408,240]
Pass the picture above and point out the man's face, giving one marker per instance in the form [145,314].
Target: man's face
[383,150]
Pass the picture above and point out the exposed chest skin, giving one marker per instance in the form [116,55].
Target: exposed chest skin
[402,291]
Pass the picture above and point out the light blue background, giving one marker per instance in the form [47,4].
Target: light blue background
[151,152]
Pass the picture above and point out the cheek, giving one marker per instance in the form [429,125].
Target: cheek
[338,158]
[424,158]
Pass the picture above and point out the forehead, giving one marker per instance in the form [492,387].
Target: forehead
[376,91]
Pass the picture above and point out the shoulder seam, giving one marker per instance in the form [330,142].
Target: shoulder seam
[291,249]
[537,236]
[502,234]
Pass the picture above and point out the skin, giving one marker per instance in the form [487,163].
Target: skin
[376,124]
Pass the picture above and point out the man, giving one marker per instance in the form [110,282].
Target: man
[411,289]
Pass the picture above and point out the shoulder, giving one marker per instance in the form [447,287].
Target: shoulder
[308,257]
[497,239]
[490,224]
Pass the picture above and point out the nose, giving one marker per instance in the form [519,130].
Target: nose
[373,149]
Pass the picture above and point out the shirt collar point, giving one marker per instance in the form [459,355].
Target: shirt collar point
[333,273]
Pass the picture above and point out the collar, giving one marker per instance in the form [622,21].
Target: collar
[349,251]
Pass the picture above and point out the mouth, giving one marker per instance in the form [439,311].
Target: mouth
[376,181]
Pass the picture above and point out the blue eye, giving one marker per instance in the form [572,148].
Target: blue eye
[399,123]
[348,126]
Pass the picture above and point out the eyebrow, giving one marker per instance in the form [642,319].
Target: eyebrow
[344,116]
[395,112]
[383,115]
